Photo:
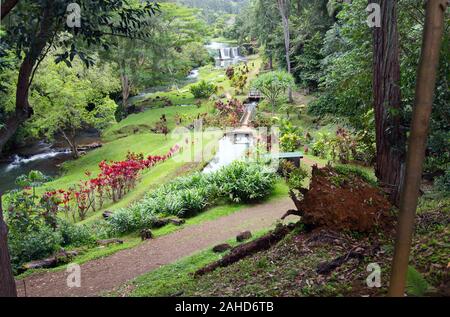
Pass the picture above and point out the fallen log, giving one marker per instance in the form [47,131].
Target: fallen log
[89,147]
[328,267]
[162,222]
[247,249]
[62,257]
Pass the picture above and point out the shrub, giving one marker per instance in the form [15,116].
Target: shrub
[290,142]
[348,170]
[193,200]
[203,90]
[321,147]
[75,235]
[242,182]
[33,245]
[442,184]
[122,221]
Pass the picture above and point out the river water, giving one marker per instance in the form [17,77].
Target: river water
[47,158]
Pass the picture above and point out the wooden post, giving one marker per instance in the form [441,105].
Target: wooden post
[7,282]
[425,86]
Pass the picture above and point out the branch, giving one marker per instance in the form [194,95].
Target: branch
[7,7]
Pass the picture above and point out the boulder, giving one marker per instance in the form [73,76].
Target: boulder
[146,234]
[107,214]
[221,248]
[243,236]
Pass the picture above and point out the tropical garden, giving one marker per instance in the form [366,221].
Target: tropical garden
[224,148]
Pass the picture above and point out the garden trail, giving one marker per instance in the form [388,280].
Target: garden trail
[106,274]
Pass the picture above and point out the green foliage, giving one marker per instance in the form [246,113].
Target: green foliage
[344,146]
[66,99]
[349,170]
[203,90]
[242,182]
[321,146]
[33,244]
[273,86]
[188,196]
[290,142]
[75,235]
[442,184]
[295,177]
[34,228]
[416,284]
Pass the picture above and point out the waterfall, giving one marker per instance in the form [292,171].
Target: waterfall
[225,53]
[235,52]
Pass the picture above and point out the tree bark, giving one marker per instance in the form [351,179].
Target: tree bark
[390,137]
[22,109]
[284,7]
[7,282]
[425,88]
[7,7]
[71,142]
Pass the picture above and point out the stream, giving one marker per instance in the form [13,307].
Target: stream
[47,158]
[40,156]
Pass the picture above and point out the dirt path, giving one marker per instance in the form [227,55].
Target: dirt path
[105,274]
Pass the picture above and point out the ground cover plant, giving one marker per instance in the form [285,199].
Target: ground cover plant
[185,197]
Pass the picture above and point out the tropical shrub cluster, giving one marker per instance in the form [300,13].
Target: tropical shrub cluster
[203,90]
[187,196]
[230,107]
[291,137]
[344,147]
[35,231]
[273,86]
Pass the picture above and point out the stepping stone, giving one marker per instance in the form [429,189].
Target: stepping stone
[146,234]
[221,248]
[243,236]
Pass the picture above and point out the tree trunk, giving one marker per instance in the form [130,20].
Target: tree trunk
[283,6]
[390,137]
[126,85]
[23,110]
[71,142]
[7,7]
[7,282]
[425,88]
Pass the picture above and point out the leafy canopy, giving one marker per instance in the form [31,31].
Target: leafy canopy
[273,85]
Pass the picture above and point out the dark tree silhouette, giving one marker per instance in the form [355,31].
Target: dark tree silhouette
[390,136]
[7,283]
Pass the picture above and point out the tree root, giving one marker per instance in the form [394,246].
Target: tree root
[248,249]
[293,212]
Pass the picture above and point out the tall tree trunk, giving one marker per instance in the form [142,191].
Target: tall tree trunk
[390,137]
[126,85]
[284,7]
[125,90]
[7,6]
[425,88]
[7,283]
[23,110]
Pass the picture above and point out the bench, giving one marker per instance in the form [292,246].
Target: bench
[294,157]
